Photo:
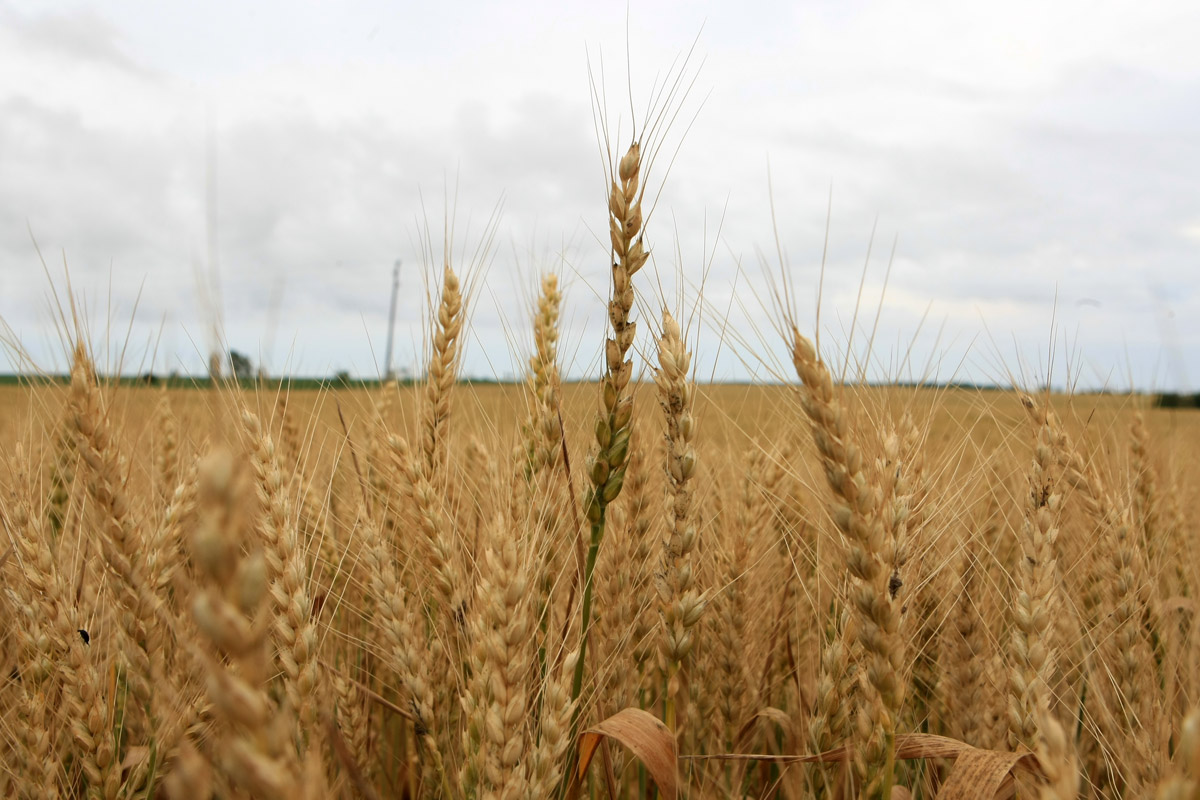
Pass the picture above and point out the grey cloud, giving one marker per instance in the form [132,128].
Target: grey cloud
[101,199]
[320,209]
[1109,202]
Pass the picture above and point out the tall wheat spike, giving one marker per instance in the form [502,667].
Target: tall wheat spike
[1032,651]
[857,512]
[613,428]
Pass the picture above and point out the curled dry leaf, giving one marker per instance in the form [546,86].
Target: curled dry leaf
[982,773]
[646,737]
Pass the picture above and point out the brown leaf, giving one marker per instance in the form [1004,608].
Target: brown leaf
[985,773]
[646,737]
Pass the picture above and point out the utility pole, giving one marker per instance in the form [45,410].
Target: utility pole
[387,359]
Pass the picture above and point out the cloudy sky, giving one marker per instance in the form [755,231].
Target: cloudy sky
[1034,164]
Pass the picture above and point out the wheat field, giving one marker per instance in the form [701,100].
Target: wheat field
[632,587]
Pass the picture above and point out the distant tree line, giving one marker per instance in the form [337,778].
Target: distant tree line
[1177,400]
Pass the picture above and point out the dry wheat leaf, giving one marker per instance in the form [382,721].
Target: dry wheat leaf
[984,773]
[646,737]
[928,745]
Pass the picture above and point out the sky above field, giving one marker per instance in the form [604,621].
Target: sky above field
[1032,166]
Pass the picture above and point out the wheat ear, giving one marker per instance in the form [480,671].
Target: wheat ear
[287,570]
[858,514]
[501,630]
[143,621]
[166,455]
[606,465]
[228,610]
[86,703]
[37,599]
[542,436]
[681,604]
[442,372]
[1031,649]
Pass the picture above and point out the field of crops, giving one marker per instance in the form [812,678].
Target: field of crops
[616,588]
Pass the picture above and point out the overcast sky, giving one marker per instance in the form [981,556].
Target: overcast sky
[1037,165]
